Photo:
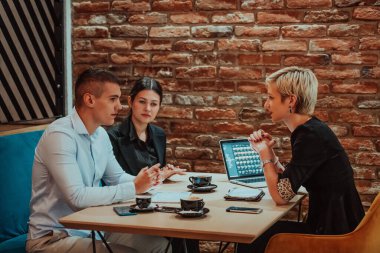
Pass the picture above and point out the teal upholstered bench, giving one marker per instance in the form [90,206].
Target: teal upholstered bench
[16,161]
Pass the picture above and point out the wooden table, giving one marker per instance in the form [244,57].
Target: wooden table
[217,225]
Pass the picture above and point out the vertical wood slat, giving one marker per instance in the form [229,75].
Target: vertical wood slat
[31,62]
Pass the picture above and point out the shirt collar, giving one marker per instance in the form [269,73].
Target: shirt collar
[78,124]
[132,131]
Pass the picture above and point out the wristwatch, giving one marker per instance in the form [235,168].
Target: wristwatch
[263,162]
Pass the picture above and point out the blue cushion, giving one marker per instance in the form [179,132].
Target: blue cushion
[16,162]
[14,245]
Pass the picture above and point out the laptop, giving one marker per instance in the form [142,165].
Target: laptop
[243,165]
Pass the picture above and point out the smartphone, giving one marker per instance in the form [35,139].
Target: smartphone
[123,210]
[237,209]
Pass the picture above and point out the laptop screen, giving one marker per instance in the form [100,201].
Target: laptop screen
[239,159]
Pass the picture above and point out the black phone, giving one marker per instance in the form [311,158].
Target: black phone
[238,209]
[123,210]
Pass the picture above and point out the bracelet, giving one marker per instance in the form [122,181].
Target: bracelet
[274,161]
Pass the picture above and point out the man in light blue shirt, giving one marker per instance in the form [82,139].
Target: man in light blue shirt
[72,157]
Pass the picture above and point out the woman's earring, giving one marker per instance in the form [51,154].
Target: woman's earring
[290,109]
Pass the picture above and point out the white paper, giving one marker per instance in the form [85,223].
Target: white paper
[169,197]
[243,193]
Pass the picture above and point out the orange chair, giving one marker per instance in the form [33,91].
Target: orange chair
[364,239]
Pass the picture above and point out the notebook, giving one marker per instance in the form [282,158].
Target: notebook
[243,165]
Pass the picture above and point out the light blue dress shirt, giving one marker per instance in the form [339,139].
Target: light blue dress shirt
[68,166]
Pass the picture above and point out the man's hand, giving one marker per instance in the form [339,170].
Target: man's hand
[147,178]
[170,170]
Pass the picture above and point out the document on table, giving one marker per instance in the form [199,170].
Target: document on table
[169,197]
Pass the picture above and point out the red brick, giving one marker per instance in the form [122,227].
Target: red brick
[323,88]
[87,19]
[352,116]
[347,3]
[172,58]
[206,59]
[370,72]
[153,71]
[152,45]
[131,5]
[367,13]
[284,45]
[91,7]
[149,18]
[81,45]
[240,73]
[332,44]
[261,4]
[357,144]
[367,131]
[308,3]
[207,140]
[214,86]
[336,73]
[129,31]
[116,18]
[238,45]
[110,44]
[189,18]
[212,31]
[169,31]
[179,139]
[90,57]
[369,43]
[172,5]
[364,173]
[235,17]
[90,32]
[208,166]
[175,85]
[196,72]
[259,59]
[335,102]
[251,87]
[355,58]
[235,100]
[361,87]
[339,131]
[275,128]
[302,31]
[232,128]
[191,127]
[212,113]
[194,45]
[324,16]
[252,114]
[193,153]
[279,17]
[172,112]
[306,60]
[343,30]
[369,104]
[194,100]
[257,31]
[227,58]
[122,72]
[365,158]
[129,58]
[216,4]
[321,114]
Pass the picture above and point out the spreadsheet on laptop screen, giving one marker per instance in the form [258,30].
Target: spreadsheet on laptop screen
[241,160]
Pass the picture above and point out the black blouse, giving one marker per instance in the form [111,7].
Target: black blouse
[320,164]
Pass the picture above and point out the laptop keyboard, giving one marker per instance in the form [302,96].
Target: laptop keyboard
[252,180]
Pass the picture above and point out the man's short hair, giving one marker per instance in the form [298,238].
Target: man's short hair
[92,81]
[297,81]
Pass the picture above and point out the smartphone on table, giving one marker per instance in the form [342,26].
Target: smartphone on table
[238,209]
[123,210]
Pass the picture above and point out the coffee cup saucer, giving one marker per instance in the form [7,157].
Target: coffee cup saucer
[185,213]
[202,188]
[136,208]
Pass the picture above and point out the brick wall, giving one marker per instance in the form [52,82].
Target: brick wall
[212,57]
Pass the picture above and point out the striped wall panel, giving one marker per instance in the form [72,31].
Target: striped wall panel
[31,60]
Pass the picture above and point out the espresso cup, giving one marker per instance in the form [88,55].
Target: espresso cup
[200,181]
[143,201]
[192,204]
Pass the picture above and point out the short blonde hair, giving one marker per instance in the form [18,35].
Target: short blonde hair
[297,81]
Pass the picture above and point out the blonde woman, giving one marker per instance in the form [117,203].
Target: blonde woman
[319,162]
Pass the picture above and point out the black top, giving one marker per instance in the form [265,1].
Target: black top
[320,164]
[134,154]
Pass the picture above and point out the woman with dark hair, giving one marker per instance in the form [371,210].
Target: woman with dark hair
[138,144]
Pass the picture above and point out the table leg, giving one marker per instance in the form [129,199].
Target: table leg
[184,245]
[105,242]
[169,242]
[221,250]
[299,211]
[93,241]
